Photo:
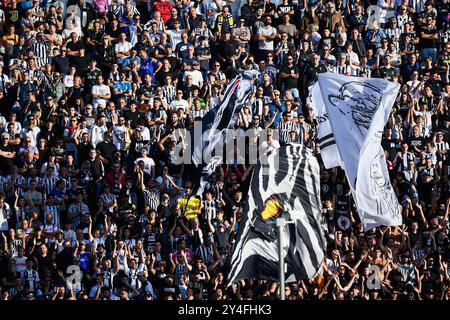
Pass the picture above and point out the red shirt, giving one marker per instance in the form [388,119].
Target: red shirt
[165,8]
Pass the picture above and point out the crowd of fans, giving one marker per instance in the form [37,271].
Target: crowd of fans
[94,205]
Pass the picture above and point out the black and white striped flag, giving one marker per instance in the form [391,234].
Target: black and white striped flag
[288,185]
[217,121]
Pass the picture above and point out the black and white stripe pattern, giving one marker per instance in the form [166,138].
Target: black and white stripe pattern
[152,198]
[169,92]
[54,211]
[341,69]
[441,146]
[179,270]
[210,208]
[258,105]
[326,141]
[285,128]
[195,114]
[47,184]
[220,119]
[120,10]
[290,187]
[41,50]
[206,253]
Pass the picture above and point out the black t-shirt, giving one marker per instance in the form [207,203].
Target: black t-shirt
[204,52]
[222,241]
[387,72]
[311,74]
[390,145]
[114,33]
[428,43]
[133,116]
[290,82]
[96,37]
[72,194]
[107,150]
[270,7]
[61,64]
[285,8]
[90,77]
[415,237]
[79,62]
[83,152]
[6,163]
[418,142]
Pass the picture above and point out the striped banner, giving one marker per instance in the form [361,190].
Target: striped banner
[291,189]
[219,119]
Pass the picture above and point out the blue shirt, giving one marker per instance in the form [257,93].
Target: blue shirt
[84,260]
[122,86]
[125,20]
[148,67]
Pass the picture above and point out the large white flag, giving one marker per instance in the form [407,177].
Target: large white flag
[358,109]
[328,149]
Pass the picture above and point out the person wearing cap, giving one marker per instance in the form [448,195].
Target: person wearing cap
[429,10]
[194,73]
[146,289]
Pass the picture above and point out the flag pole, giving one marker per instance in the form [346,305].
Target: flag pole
[281,223]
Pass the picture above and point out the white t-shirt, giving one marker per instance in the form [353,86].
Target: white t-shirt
[145,134]
[266,148]
[148,164]
[175,37]
[4,215]
[196,77]
[266,31]
[176,104]
[122,47]
[97,134]
[101,89]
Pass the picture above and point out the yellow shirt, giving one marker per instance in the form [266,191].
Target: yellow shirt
[11,39]
[191,210]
